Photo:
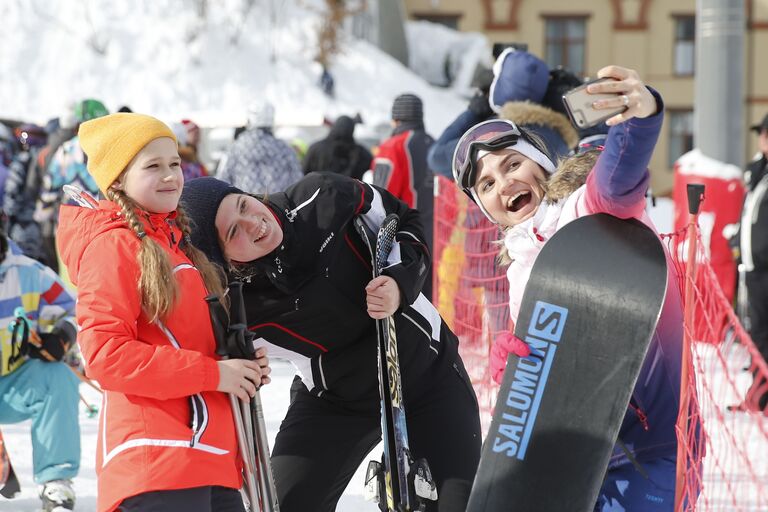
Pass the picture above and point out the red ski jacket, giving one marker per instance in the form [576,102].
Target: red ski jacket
[162,424]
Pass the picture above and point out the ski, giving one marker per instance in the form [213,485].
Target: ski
[588,313]
[398,483]
[9,482]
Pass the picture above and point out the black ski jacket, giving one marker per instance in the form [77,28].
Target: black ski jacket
[754,217]
[339,152]
[306,300]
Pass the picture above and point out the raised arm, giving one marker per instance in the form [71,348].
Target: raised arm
[619,180]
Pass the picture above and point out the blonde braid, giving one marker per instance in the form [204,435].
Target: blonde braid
[213,275]
[157,285]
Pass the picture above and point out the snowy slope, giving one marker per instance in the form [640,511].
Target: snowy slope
[275,401]
[162,58]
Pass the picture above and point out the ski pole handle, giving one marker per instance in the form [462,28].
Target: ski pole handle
[219,323]
[240,340]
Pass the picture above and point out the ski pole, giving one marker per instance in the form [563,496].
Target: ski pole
[219,320]
[242,340]
[92,409]
[266,479]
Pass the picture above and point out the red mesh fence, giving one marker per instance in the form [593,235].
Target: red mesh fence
[722,427]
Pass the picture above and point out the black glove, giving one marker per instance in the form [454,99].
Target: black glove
[479,105]
[53,347]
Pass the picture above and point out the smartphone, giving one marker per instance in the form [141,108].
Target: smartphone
[578,104]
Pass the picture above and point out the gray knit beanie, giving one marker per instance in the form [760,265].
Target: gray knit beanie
[407,107]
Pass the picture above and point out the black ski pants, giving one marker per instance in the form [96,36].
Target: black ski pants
[320,444]
[757,291]
[196,499]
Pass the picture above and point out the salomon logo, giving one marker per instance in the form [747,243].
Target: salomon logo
[523,397]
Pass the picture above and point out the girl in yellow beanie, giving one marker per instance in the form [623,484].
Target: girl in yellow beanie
[166,433]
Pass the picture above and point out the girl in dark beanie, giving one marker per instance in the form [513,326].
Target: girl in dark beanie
[310,299]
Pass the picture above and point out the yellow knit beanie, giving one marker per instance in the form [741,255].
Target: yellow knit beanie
[111,142]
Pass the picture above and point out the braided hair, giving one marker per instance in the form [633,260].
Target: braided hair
[158,288]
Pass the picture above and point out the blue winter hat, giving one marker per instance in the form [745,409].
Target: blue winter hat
[518,76]
[200,199]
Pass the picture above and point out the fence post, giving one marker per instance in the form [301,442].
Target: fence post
[435,227]
[695,197]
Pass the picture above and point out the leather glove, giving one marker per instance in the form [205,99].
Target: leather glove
[506,343]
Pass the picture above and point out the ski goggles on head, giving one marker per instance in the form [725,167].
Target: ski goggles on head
[489,135]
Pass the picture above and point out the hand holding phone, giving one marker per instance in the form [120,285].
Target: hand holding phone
[580,105]
[616,96]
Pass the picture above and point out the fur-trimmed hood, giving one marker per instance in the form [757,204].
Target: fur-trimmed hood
[553,127]
[571,173]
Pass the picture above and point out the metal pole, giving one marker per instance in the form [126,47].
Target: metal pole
[719,83]
[266,480]
[695,197]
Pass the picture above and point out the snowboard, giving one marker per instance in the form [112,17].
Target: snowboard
[588,313]
[9,482]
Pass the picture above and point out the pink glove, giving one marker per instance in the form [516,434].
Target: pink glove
[505,343]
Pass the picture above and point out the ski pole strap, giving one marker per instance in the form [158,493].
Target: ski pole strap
[632,459]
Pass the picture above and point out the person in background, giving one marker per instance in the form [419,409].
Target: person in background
[166,435]
[524,90]
[338,152]
[753,252]
[66,167]
[22,188]
[34,383]
[8,150]
[258,161]
[400,165]
[300,147]
[188,136]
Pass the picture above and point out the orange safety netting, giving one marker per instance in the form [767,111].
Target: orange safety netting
[725,448]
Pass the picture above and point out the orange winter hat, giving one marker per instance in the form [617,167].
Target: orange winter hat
[111,142]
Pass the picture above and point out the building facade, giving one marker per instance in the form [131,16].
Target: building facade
[654,37]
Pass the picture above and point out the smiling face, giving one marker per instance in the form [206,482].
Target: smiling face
[247,229]
[153,179]
[509,186]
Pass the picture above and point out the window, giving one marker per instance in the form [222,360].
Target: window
[565,43]
[680,134]
[685,48]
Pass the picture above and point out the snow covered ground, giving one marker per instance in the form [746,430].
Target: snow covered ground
[735,468]
[274,398]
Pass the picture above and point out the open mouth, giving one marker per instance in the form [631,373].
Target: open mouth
[262,231]
[519,201]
